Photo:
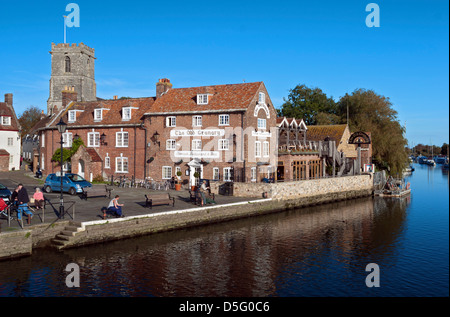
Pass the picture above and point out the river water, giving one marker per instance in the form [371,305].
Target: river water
[317,251]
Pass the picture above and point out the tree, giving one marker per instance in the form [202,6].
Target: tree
[310,104]
[373,113]
[29,118]
[67,153]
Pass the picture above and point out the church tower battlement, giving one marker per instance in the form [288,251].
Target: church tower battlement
[72,66]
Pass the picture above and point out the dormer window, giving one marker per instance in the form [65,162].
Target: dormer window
[72,116]
[98,114]
[6,120]
[262,98]
[126,113]
[202,99]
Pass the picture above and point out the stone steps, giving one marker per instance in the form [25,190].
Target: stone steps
[64,238]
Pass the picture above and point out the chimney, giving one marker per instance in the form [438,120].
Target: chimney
[162,86]
[42,115]
[68,94]
[9,99]
[115,97]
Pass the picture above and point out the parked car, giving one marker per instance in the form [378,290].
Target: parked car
[5,193]
[72,183]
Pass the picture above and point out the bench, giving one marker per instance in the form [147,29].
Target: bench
[96,191]
[159,199]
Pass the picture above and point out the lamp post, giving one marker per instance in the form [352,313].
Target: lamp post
[61,128]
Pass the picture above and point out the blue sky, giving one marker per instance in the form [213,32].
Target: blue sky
[323,44]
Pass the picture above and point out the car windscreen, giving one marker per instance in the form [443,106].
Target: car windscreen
[76,178]
[2,187]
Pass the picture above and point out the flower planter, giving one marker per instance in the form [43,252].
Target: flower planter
[177,186]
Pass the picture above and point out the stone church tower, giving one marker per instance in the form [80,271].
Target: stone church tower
[73,68]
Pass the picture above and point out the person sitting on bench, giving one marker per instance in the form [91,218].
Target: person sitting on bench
[114,207]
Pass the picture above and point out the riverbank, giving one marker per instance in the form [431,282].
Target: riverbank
[69,233]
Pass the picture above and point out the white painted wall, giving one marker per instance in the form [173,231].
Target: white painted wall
[14,150]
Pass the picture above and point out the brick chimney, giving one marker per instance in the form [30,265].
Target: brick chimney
[68,94]
[9,99]
[162,86]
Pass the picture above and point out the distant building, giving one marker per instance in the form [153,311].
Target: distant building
[10,147]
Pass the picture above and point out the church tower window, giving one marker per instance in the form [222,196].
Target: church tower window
[67,60]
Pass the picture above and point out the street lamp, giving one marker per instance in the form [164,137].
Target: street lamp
[61,128]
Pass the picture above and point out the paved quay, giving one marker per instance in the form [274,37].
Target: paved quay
[90,209]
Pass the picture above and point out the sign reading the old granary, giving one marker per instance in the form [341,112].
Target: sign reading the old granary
[206,133]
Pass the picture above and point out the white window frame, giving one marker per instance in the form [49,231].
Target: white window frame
[224,119]
[96,139]
[216,173]
[121,167]
[196,145]
[224,145]
[227,172]
[165,174]
[262,98]
[98,114]
[202,99]
[253,174]
[265,149]
[121,141]
[67,139]
[42,161]
[261,123]
[197,121]
[42,139]
[257,148]
[6,120]
[126,113]
[171,121]
[72,116]
[171,144]
[10,141]
[107,161]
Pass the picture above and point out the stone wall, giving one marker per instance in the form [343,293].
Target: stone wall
[15,243]
[300,189]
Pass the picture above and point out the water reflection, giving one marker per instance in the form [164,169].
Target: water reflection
[318,251]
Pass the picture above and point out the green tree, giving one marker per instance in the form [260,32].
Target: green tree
[310,104]
[29,118]
[373,113]
[67,153]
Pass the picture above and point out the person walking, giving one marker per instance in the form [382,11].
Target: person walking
[114,206]
[23,200]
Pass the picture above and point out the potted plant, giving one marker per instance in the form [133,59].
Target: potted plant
[177,181]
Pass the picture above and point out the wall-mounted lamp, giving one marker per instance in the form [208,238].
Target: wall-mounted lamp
[102,139]
[76,137]
[156,138]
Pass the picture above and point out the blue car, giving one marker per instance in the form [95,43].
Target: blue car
[72,183]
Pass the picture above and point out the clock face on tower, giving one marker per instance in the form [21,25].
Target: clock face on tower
[359,138]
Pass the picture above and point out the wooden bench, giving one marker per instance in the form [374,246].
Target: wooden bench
[96,191]
[159,199]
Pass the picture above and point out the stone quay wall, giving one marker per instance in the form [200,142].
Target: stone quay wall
[300,189]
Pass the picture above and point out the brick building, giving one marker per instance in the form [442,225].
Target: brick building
[222,132]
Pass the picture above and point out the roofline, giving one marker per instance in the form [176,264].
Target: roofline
[115,125]
[194,112]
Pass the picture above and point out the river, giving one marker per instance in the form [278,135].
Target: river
[317,251]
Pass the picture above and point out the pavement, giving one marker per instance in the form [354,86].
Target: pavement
[90,209]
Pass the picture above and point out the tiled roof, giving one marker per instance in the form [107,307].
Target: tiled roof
[3,152]
[6,111]
[93,154]
[112,112]
[320,132]
[221,97]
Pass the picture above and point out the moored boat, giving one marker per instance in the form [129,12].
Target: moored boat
[394,188]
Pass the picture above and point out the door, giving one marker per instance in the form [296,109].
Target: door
[81,168]
[192,170]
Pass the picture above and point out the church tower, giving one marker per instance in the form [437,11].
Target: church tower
[73,68]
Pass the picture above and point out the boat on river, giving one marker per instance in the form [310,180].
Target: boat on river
[431,162]
[394,188]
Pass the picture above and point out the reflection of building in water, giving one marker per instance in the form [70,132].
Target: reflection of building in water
[245,257]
